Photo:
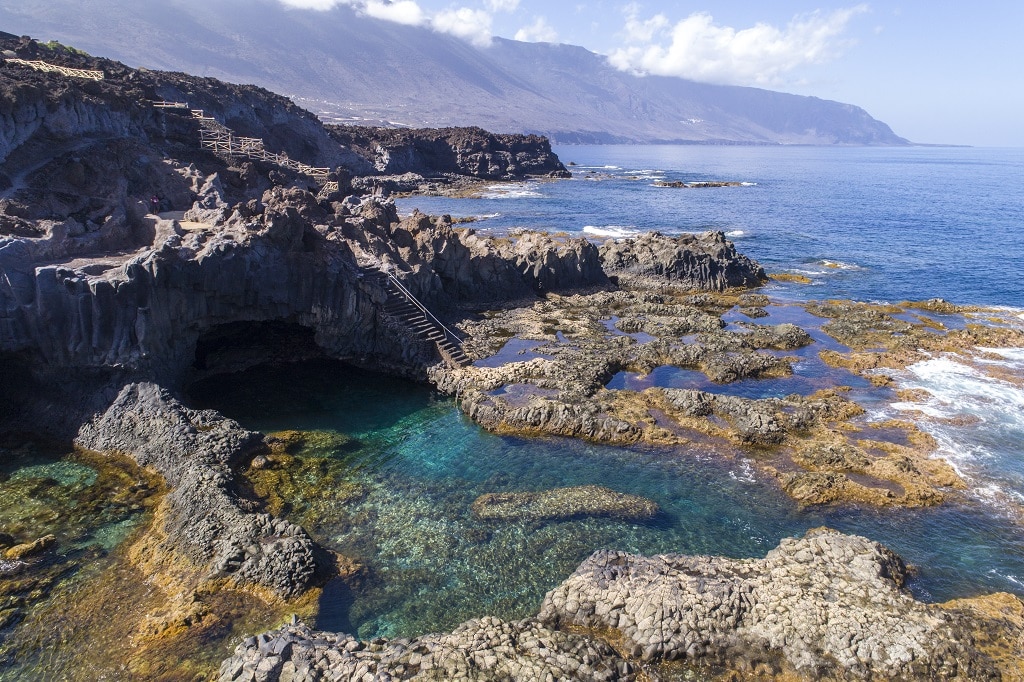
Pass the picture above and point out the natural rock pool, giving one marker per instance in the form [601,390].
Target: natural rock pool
[390,473]
[62,517]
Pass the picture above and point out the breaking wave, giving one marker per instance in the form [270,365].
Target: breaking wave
[613,231]
[513,190]
[976,417]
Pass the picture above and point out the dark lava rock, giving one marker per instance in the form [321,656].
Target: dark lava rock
[194,451]
[706,261]
[470,152]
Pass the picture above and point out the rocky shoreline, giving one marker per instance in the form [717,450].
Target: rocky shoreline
[825,606]
[109,310]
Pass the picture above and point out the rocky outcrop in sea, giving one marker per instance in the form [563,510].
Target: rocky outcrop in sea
[707,261]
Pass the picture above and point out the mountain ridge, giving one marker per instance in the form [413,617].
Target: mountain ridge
[353,69]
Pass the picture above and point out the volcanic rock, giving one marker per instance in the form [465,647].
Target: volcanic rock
[827,605]
[830,605]
[707,261]
[194,451]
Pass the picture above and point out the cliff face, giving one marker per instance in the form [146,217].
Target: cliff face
[472,152]
[120,105]
[287,260]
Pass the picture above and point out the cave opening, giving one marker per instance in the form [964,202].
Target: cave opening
[237,346]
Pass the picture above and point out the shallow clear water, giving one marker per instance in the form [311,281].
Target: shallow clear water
[421,464]
[89,509]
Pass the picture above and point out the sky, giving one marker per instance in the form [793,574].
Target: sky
[937,71]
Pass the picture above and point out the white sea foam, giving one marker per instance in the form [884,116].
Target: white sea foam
[977,421]
[613,231]
[748,184]
[839,265]
[511,190]
[1012,356]
[735,233]
[744,473]
[1016,580]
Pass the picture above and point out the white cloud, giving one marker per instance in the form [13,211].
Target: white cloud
[320,5]
[537,32]
[473,25]
[697,49]
[502,5]
[401,12]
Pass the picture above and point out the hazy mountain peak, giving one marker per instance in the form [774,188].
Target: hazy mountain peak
[350,67]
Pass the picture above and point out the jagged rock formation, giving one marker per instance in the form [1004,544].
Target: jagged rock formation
[472,152]
[825,606]
[210,522]
[706,261]
[484,649]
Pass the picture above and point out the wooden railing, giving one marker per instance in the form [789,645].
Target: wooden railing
[220,139]
[63,70]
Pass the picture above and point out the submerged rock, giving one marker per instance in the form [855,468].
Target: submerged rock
[28,549]
[563,503]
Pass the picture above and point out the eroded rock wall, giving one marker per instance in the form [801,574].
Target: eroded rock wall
[472,152]
[706,261]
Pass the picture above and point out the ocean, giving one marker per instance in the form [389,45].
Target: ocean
[868,223]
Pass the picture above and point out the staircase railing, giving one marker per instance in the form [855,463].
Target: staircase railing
[452,336]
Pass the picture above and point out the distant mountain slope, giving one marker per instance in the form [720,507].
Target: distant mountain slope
[347,67]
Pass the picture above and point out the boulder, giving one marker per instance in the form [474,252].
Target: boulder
[706,261]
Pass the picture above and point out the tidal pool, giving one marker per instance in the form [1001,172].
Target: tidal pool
[396,495]
[84,507]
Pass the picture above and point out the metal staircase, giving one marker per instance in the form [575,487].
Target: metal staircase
[406,309]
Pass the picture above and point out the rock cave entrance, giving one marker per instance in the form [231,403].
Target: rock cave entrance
[236,346]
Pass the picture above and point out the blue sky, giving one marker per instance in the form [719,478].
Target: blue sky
[937,71]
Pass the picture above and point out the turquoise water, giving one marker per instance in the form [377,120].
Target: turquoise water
[432,564]
[89,511]
[863,223]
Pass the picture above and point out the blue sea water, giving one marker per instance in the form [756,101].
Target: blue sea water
[869,223]
[863,223]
